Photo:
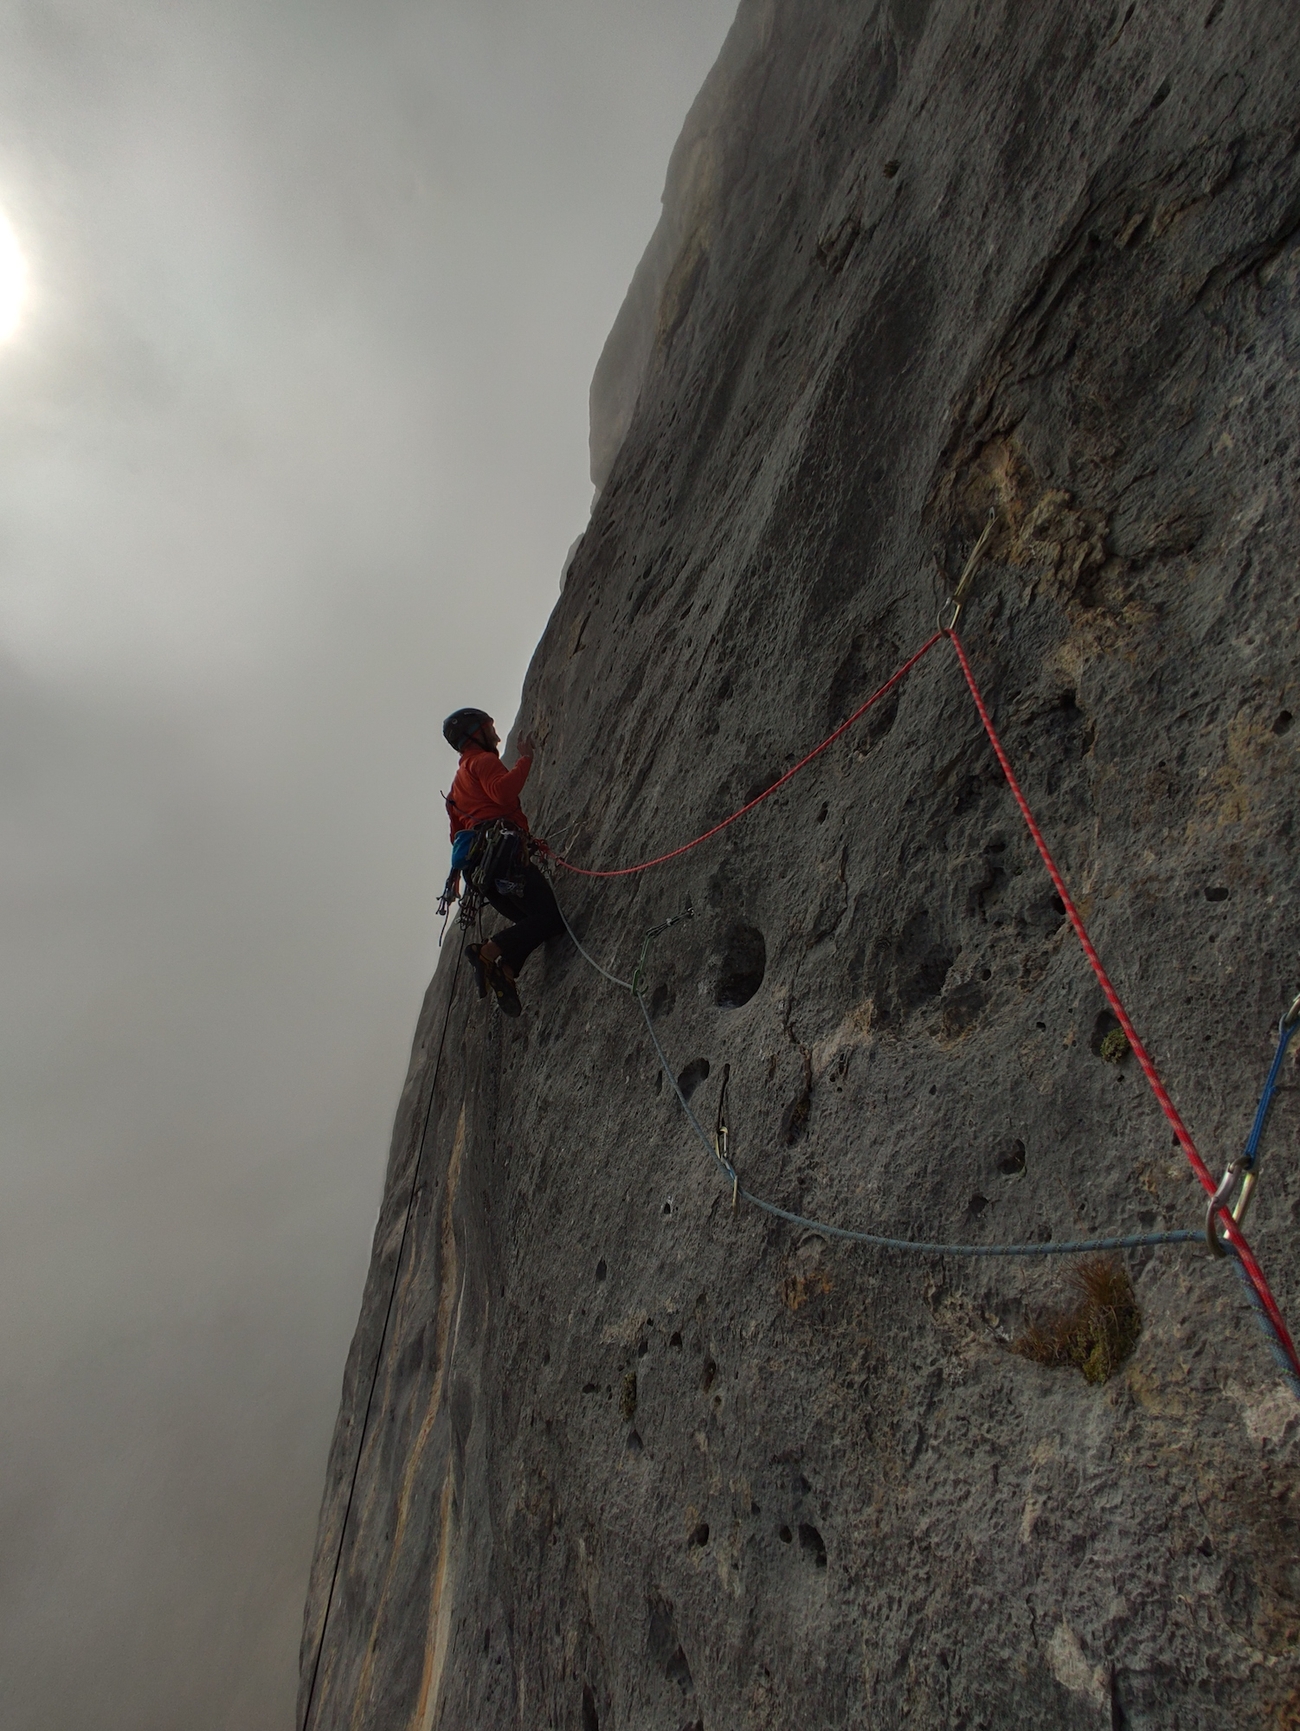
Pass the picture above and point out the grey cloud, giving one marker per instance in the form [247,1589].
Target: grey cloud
[292,447]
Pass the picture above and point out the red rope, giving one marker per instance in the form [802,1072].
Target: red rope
[626,871]
[1167,1106]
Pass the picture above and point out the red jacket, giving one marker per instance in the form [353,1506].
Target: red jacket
[484,789]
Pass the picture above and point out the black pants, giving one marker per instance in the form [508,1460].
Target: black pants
[535,916]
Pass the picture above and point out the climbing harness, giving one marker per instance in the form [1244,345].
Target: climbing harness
[379,1353]
[1233,1240]
[491,856]
[1245,1167]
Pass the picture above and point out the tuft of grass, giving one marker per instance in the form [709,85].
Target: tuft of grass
[1114,1047]
[627,1397]
[1098,1332]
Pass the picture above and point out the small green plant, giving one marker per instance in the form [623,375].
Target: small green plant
[1098,1332]
[627,1397]
[1115,1046]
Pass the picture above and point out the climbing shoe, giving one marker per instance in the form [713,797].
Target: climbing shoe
[480,968]
[503,989]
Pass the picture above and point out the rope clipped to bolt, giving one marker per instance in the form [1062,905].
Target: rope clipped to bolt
[1233,1240]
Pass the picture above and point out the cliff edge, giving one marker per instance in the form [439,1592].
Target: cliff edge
[637,1461]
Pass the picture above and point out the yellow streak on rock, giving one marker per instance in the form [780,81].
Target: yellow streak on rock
[449,1280]
[440,1605]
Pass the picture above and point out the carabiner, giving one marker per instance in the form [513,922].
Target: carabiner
[1227,1184]
[968,571]
[638,972]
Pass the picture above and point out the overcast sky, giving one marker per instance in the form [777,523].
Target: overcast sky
[292,446]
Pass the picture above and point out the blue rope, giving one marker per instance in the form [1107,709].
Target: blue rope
[589,959]
[1073,1247]
[1286,1028]
[1250,1155]
[1265,1322]
[1077,1247]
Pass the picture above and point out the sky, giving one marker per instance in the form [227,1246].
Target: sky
[293,443]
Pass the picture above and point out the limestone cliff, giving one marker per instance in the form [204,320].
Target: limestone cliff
[637,1462]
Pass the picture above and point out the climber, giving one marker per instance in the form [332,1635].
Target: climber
[494,851]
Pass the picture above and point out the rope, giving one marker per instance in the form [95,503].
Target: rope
[590,959]
[1286,1028]
[1248,1162]
[1265,1322]
[1246,1257]
[379,1355]
[645,865]
[727,1170]
[1133,1242]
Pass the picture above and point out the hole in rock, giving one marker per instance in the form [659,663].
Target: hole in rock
[1218,894]
[784,1534]
[1283,722]
[977,1204]
[643,1347]
[634,1443]
[701,1534]
[1012,1160]
[744,962]
[821,815]
[707,1375]
[590,1388]
[590,1718]
[668,1207]
[961,1008]
[695,1072]
[675,1340]
[601,1270]
[810,1540]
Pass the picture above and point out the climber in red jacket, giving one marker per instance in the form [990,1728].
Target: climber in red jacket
[485,797]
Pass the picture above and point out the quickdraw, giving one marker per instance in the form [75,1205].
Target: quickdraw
[1245,1168]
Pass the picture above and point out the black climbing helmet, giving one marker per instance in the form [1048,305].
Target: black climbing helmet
[458,727]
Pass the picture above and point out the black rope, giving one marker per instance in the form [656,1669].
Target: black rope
[383,1341]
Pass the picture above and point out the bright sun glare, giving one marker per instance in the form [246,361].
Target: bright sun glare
[13,279]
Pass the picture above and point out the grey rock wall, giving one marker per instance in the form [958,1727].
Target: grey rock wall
[638,1463]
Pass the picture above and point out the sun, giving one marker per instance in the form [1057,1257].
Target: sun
[13,279]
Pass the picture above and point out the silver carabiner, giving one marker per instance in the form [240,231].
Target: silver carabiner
[1227,1184]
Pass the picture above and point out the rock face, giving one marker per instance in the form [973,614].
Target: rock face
[636,1462]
